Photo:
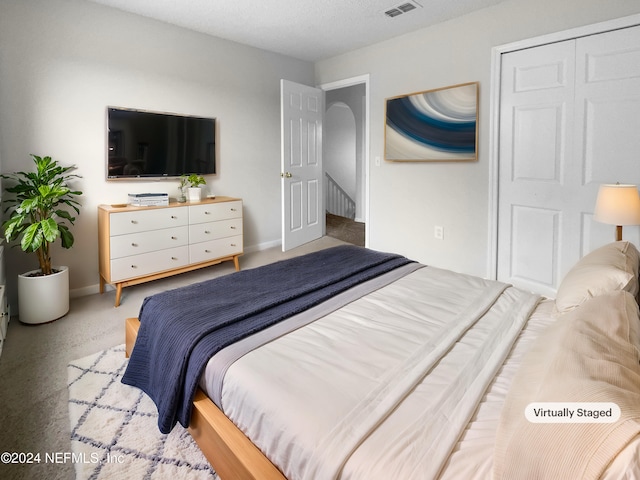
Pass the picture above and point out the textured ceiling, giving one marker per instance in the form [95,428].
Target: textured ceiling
[306,29]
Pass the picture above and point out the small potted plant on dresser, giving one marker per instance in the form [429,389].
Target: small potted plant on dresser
[38,215]
[192,183]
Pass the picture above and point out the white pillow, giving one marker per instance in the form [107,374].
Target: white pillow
[591,355]
[607,269]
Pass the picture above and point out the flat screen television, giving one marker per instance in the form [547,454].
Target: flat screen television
[143,144]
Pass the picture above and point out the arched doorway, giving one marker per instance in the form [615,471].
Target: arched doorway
[344,160]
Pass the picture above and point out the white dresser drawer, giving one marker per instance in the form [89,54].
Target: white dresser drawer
[149,263]
[212,212]
[222,247]
[143,242]
[138,245]
[203,232]
[122,223]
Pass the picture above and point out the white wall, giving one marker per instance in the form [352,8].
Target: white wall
[63,61]
[339,146]
[408,200]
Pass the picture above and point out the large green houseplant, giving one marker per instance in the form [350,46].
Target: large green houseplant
[40,212]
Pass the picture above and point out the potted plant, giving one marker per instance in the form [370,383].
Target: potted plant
[192,183]
[39,215]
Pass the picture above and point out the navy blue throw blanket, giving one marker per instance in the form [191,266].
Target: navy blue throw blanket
[181,329]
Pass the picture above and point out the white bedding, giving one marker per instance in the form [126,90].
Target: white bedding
[298,393]
[472,457]
[310,426]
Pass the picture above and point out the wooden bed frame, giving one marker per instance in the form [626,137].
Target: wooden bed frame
[228,450]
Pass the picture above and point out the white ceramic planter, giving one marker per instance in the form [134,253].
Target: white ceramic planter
[43,299]
[194,194]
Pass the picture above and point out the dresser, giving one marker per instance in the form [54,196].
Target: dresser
[140,244]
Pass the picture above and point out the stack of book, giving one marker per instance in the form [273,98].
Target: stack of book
[148,199]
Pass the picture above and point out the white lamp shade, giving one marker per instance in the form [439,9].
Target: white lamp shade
[618,205]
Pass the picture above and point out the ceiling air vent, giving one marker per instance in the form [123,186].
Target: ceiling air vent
[400,9]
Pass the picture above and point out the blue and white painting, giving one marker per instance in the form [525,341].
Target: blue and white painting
[437,125]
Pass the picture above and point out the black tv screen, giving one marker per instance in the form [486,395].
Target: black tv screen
[144,144]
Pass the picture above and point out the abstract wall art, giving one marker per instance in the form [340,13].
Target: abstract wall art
[434,125]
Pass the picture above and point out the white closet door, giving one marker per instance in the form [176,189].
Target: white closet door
[535,160]
[608,137]
[568,122]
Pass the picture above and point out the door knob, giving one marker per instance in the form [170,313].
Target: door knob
[286,175]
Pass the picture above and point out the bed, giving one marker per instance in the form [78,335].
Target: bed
[361,364]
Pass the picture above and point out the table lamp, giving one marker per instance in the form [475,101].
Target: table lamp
[618,205]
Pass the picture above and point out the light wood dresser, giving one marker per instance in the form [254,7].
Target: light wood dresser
[140,244]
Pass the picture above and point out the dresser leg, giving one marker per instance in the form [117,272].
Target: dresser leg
[236,263]
[101,284]
[118,294]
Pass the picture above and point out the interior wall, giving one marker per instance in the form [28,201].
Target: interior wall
[407,200]
[62,62]
[339,146]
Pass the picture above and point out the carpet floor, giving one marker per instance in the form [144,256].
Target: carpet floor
[114,432]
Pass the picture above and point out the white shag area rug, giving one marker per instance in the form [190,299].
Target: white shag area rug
[114,427]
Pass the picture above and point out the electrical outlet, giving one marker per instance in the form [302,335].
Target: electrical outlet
[438,232]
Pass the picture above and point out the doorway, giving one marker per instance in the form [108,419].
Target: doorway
[345,159]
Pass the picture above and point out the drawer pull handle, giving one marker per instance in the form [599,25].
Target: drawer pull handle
[233,244]
[233,228]
[174,238]
[134,266]
[134,222]
[134,244]
[207,212]
[207,251]
[233,210]
[174,258]
[207,232]
[174,217]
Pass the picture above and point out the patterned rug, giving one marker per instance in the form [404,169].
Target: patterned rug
[114,432]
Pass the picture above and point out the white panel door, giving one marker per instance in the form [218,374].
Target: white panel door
[302,193]
[608,138]
[568,122]
[535,162]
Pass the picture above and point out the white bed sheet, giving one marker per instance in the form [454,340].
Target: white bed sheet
[472,457]
[270,423]
[399,320]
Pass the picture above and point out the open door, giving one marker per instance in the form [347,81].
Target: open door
[302,110]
